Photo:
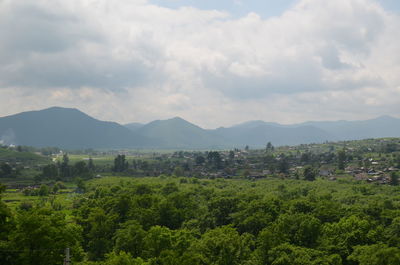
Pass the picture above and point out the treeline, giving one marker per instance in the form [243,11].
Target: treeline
[7,171]
[219,222]
[30,149]
[64,170]
[274,161]
[375,155]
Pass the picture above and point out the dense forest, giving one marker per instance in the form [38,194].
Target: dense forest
[334,203]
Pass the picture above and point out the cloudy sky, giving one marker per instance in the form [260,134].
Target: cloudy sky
[214,63]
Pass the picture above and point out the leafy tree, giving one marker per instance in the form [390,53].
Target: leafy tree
[122,258]
[214,159]
[200,160]
[55,189]
[391,147]
[80,169]
[130,238]
[287,254]
[178,253]
[256,215]
[306,157]
[80,185]
[6,226]
[394,179]
[178,171]
[349,232]
[309,173]
[221,209]
[341,159]
[169,215]
[266,241]
[269,147]
[377,254]
[270,162]
[223,246]
[65,169]
[158,239]
[41,236]
[50,172]
[44,190]
[169,188]
[142,189]
[298,229]
[5,170]
[283,164]
[231,155]
[101,227]
[392,233]
[120,164]
[91,165]
[121,206]
[301,206]
[327,210]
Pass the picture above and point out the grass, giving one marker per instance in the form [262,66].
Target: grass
[25,157]
[62,201]
[102,160]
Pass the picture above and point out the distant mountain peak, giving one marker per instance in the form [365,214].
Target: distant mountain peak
[72,128]
[62,110]
[386,117]
[177,118]
[67,128]
[57,108]
[176,121]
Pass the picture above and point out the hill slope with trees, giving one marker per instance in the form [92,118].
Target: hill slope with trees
[72,129]
[66,128]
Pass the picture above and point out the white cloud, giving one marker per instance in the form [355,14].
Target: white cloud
[134,61]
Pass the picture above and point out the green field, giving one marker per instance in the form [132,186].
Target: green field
[22,157]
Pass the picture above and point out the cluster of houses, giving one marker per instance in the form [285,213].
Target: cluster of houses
[247,164]
[372,175]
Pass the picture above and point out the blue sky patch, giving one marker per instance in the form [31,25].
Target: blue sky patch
[239,8]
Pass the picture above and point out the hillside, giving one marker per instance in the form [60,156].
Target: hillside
[66,128]
[9,155]
[384,126]
[259,133]
[73,129]
[177,133]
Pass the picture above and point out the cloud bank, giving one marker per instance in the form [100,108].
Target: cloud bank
[130,60]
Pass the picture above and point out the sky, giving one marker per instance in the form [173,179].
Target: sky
[213,63]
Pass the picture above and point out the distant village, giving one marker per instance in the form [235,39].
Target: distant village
[374,161]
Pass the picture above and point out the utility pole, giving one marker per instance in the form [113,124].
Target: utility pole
[67,260]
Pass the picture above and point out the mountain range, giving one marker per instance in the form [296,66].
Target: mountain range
[66,128]
[72,129]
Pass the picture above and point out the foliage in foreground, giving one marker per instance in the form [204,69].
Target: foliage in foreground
[222,222]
